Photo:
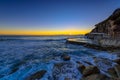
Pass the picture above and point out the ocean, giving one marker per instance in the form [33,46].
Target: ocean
[21,56]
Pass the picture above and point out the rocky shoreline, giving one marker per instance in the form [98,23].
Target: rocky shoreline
[90,72]
[94,46]
[106,33]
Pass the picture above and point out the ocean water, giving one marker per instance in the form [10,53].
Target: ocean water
[21,56]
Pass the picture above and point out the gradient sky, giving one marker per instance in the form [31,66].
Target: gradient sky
[49,17]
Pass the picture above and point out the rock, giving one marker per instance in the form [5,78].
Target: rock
[110,26]
[81,68]
[14,70]
[112,73]
[102,62]
[63,69]
[115,72]
[37,75]
[15,66]
[117,61]
[67,78]
[96,77]
[88,63]
[90,70]
[117,69]
[65,57]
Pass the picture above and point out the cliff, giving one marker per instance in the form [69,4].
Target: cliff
[110,26]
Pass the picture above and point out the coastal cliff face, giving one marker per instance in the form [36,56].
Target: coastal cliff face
[110,26]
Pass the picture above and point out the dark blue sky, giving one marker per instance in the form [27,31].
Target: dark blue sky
[54,14]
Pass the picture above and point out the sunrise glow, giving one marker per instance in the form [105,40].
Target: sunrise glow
[41,32]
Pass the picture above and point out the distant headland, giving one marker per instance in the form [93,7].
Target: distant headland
[105,35]
[110,26]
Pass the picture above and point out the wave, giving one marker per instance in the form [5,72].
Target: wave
[8,39]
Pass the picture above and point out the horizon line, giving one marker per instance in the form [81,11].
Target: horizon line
[42,35]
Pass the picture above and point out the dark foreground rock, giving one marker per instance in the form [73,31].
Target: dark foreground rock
[112,72]
[117,69]
[37,75]
[65,57]
[67,78]
[117,61]
[65,70]
[96,77]
[90,70]
[81,67]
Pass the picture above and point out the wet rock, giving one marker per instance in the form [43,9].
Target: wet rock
[16,66]
[78,62]
[65,57]
[81,68]
[14,70]
[37,75]
[62,69]
[112,73]
[67,78]
[103,63]
[117,61]
[90,70]
[103,60]
[117,69]
[88,63]
[58,69]
[96,77]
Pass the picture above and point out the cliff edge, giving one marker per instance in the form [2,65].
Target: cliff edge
[110,26]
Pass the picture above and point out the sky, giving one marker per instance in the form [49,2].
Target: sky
[53,17]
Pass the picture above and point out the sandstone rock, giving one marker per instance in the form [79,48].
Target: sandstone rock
[65,57]
[96,77]
[90,70]
[37,75]
[110,26]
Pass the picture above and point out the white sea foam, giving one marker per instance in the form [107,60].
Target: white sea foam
[24,56]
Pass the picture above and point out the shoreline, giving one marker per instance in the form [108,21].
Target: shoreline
[92,45]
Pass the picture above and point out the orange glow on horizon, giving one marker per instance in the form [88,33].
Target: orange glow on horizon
[40,32]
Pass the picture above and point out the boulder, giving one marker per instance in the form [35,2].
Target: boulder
[67,78]
[101,63]
[37,75]
[90,70]
[65,57]
[81,68]
[112,73]
[13,70]
[88,62]
[117,61]
[117,69]
[103,60]
[15,66]
[65,70]
[96,77]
